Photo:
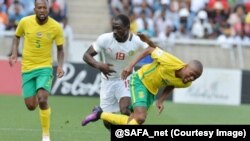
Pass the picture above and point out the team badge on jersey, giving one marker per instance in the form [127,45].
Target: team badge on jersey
[141,94]
[131,53]
[39,34]
[159,52]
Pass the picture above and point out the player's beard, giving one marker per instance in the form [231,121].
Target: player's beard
[41,18]
[121,38]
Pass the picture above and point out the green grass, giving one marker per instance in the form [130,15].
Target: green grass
[19,124]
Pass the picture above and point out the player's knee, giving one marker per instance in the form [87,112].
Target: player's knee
[42,102]
[140,121]
[107,125]
[125,111]
[31,107]
[140,118]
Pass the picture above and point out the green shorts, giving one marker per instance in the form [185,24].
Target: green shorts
[140,96]
[36,79]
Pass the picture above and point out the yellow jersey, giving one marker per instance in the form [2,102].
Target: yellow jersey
[161,72]
[38,42]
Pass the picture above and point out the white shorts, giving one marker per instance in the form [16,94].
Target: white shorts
[111,93]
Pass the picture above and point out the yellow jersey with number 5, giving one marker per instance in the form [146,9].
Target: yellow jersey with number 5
[38,42]
[161,72]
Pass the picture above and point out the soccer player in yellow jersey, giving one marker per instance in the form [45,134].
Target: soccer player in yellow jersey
[39,32]
[165,71]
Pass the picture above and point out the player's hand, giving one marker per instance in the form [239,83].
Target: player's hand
[12,59]
[126,72]
[160,106]
[59,72]
[106,69]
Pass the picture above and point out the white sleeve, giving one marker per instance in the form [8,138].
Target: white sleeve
[99,43]
[140,43]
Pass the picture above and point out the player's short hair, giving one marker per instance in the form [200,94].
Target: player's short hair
[125,20]
[36,1]
[197,64]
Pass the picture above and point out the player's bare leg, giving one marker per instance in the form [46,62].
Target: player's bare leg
[124,104]
[31,103]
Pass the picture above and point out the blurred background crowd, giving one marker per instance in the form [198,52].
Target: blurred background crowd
[223,20]
[226,22]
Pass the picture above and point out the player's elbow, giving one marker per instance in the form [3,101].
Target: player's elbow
[85,57]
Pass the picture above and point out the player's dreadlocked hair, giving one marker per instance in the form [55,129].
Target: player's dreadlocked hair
[146,39]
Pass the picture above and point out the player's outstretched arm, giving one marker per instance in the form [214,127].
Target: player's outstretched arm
[14,50]
[88,57]
[160,102]
[60,58]
[128,70]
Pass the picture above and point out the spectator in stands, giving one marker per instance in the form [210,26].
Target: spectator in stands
[133,24]
[55,12]
[11,8]
[28,7]
[15,17]
[173,14]
[195,7]
[120,7]
[226,39]
[213,3]
[146,30]
[240,37]
[62,4]
[183,20]
[247,24]
[237,17]
[184,13]
[116,7]
[161,22]
[201,27]
[3,6]
[140,21]
[136,4]
[4,20]
[182,33]
[167,35]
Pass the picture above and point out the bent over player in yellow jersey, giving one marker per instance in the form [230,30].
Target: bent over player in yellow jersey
[166,71]
[39,32]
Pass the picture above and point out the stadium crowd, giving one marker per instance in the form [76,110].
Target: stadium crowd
[222,20]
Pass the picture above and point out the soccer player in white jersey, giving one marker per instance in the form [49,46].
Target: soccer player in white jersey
[118,49]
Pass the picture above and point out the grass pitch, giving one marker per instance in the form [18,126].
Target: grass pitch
[19,124]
